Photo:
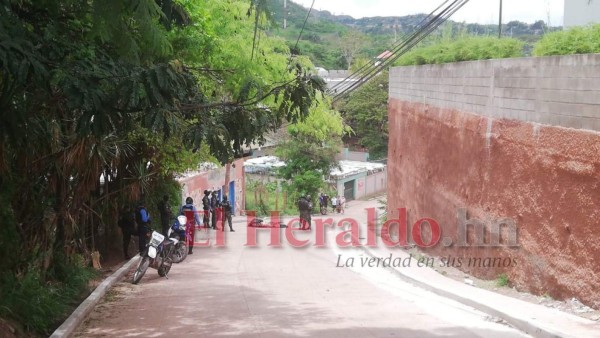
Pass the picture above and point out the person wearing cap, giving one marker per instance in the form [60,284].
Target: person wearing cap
[189,211]
[143,220]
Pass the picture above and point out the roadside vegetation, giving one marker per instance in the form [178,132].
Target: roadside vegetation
[101,105]
[502,280]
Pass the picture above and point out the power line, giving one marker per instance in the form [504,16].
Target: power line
[365,68]
[365,73]
[405,45]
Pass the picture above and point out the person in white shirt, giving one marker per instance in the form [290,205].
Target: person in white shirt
[334,203]
[342,203]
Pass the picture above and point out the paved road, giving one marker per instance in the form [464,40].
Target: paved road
[281,292]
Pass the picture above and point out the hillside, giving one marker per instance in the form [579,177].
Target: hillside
[322,35]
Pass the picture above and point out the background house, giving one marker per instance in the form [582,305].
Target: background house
[212,177]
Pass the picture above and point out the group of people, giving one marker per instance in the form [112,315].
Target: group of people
[305,207]
[137,222]
[337,203]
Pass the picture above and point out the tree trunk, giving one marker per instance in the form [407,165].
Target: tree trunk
[227,178]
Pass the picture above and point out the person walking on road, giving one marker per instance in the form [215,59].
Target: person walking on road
[189,210]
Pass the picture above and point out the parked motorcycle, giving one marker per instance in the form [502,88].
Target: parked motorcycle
[158,255]
[177,232]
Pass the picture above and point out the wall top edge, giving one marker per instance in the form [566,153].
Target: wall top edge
[592,59]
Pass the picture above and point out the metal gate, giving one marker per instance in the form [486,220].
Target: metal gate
[349,190]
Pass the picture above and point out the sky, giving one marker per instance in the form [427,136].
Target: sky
[475,11]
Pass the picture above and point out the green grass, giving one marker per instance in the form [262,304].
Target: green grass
[502,280]
[264,202]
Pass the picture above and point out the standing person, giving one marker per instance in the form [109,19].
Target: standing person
[143,220]
[334,202]
[342,203]
[305,207]
[206,208]
[226,213]
[165,214]
[189,210]
[127,225]
[214,204]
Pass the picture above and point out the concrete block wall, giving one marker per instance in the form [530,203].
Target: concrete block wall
[559,91]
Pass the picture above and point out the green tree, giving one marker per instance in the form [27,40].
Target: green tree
[102,102]
[310,152]
[365,110]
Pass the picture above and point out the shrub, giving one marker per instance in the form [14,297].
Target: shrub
[464,49]
[502,280]
[578,40]
[41,305]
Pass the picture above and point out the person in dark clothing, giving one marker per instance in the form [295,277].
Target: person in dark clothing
[165,215]
[214,204]
[143,220]
[305,207]
[189,210]
[127,225]
[206,208]
[226,206]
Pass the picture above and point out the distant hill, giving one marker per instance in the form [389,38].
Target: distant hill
[321,37]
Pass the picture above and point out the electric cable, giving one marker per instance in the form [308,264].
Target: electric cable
[365,73]
[365,67]
[404,46]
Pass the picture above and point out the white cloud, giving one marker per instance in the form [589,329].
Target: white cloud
[480,11]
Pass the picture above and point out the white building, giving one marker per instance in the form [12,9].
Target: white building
[353,179]
[581,12]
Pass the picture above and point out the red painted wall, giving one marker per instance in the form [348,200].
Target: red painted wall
[194,185]
[547,179]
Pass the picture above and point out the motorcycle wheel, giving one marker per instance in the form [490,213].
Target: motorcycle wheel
[180,253]
[141,269]
[164,269]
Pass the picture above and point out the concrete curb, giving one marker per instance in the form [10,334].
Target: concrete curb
[76,318]
[526,326]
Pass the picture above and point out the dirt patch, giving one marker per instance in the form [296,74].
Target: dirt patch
[120,291]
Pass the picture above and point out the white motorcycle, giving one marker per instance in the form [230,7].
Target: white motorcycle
[158,255]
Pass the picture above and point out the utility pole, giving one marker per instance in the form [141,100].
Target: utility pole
[284,14]
[500,22]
